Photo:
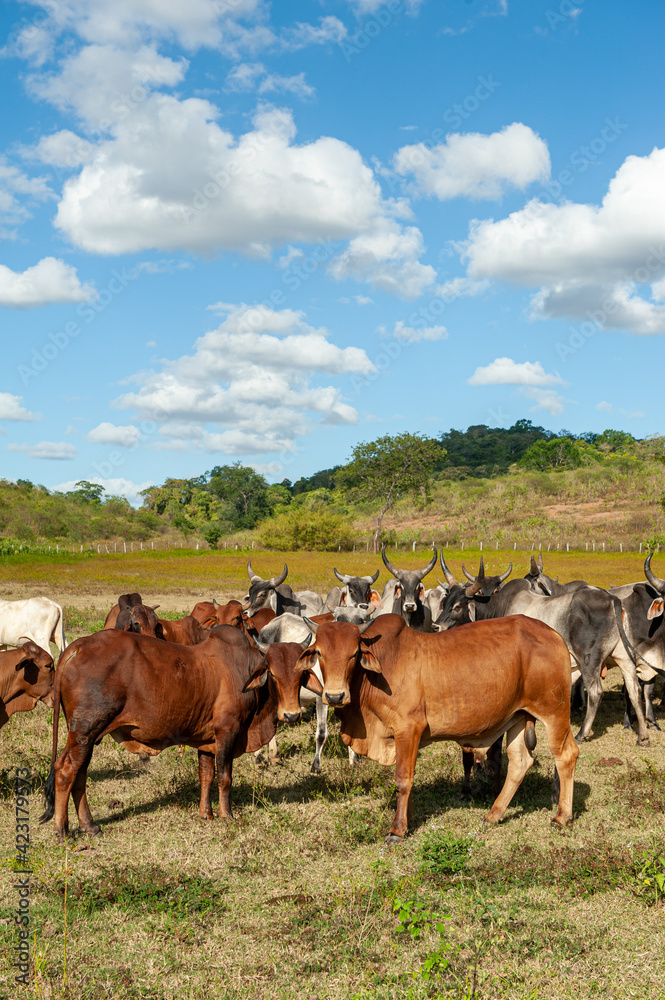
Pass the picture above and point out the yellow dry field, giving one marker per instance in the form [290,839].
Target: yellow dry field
[297,897]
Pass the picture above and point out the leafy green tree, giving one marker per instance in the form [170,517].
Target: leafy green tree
[87,492]
[243,489]
[558,454]
[612,441]
[317,529]
[391,467]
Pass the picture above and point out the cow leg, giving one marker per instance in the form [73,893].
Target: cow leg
[519,762]
[565,752]
[627,668]
[321,733]
[628,715]
[594,690]
[406,753]
[494,763]
[353,758]
[225,745]
[86,822]
[206,775]
[66,770]
[467,763]
[649,687]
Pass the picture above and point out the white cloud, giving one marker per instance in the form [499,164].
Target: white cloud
[473,165]
[107,433]
[330,29]
[48,281]
[605,406]
[58,450]
[255,76]
[17,191]
[371,6]
[457,288]
[151,343]
[114,487]
[251,386]
[387,258]
[363,300]
[590,261]
[414,335]
[11,408]
[545,399]
[505,371]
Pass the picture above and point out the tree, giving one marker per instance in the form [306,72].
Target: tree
[88,492]
[243,489]
[389,468]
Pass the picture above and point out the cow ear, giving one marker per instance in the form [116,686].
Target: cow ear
[398,589]
[309,680]
[257,678]
[656,608]
[305,658]
[159,631]
[421,591]
[375,599]
[368,661]
[342,598]
[472,611]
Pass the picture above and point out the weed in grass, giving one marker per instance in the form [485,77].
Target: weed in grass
[413,918]
[643,790]
[651,877]
[442,854]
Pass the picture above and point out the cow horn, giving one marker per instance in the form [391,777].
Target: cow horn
[276,580]
[388,564]
[253,578]
[341,577]
[306,642]
[310,624]
[651,577]
[481,573]
[153,607]
[363,628]
[534,571]
[540,561]
[372,579]
[446,572]
[430,566]
[476,585]
[504,576]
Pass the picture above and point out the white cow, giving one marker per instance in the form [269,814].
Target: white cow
[36,618]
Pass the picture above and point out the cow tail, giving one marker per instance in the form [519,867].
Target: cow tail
[49,788]
[61,641]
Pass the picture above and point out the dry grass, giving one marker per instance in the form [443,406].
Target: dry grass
[297,897]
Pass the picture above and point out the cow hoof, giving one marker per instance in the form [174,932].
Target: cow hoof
[92,831]
[206,818]
[315,769]
[627,725]
[392,839]
[643,742]
[653,725]
[579,738]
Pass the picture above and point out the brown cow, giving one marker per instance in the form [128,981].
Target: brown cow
[149,695]
[142,619]
[26,677]
[125,601]
[205,613]
[396,689]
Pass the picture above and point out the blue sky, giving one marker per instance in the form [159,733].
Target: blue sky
[233,230]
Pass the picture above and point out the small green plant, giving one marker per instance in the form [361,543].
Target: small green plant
[443,854]
[651,876]
[413,918]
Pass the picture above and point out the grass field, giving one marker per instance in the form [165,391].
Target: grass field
[298,898]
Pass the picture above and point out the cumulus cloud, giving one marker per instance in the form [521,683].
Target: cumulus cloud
[545,399]
[17,192]
[505,371]
[457,288]
[57,450]
[107,433]
[11,408]
[49,281]
[605,263]
[473,165]
[251,386]
[255,76]
[387,257]
[414,335]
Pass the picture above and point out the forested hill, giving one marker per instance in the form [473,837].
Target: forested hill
[234,503]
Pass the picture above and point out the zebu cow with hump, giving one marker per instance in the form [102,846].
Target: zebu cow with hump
[643,607]
[408,594]
[588,620]
[396,690]
[541,583]
[36,618]
[219,697]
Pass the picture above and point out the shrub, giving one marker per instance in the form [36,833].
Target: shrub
[307,528]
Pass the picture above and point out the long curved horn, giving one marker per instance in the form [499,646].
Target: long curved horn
[540,561]
[446,572]
[651,577]
[534,571]
[474,588]
[430,566]
[481,573]
[276,580]
[388,564]
[504,576]
[341,577]
[310,624]
[253,578]
[372,579]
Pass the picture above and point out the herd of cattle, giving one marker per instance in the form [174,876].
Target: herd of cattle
[467,662]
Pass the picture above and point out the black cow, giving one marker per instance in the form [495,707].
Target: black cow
[409,593]
[540,583]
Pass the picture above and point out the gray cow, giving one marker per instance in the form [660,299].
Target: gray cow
[408,594]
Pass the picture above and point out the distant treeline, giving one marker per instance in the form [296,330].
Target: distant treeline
[316,511]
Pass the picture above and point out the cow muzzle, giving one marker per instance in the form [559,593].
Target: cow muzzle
[409,606]
[292,717]
[336,698]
